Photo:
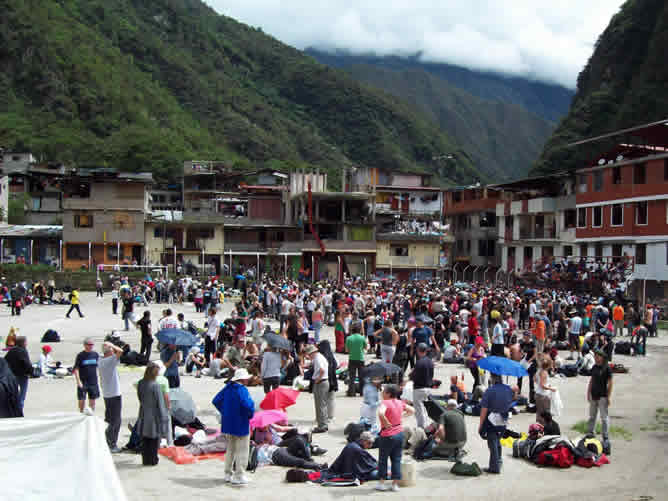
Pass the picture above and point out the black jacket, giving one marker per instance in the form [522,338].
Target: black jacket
[9,393]
[19,362]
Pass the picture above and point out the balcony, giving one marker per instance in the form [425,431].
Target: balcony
[542,205]
[538,234]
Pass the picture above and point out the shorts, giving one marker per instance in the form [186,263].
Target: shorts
[574,341]
[92,390]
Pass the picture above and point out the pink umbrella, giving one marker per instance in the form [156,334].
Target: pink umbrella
[265,418]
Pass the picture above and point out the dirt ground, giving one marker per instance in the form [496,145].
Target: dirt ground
[636,472]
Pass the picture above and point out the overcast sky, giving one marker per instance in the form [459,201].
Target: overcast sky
[544,39]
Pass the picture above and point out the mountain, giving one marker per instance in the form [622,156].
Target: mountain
[624,84]
[488,114]
[145,84]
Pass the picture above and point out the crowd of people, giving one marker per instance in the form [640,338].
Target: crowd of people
[406,329]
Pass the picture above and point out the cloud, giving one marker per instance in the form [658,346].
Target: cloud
[541,39]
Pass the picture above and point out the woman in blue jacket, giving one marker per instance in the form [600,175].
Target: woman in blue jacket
[236,409]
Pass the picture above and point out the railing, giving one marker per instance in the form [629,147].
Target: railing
[538,233]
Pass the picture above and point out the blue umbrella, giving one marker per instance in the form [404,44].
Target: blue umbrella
[179,337]
[502,366]
[530,292]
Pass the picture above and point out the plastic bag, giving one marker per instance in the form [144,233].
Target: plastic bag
[556,405]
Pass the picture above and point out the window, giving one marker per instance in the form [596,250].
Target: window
[598,180]
[36,203]
[641,253]
[582,183]
[639,174]
[570,218]
[598,250]
[568,250]
[617,251]
[616,175]
[468,246]
[83,221]
[112,252]
[399,250]
[641,213]
[486,248]
[598,217]
[582,217]
[77,251]
[488,220]
[583,250]
[617,215]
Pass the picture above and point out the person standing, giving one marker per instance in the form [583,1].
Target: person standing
[51,288]
[320,387]
[317,319]
[498,344]
[128,308]
[618,319]
[270,369]
[171,357]
[494,409]
[114,300]
[574,328]
[543,388]
[388,341]
[153,419]
[423,379]
[74,303]
[144,324]
[85,373]
[391,441]
[19,363]
[355,347]
[212,327]
[98,288]
[539,333]
[111,392]
[236,409]
[599,393]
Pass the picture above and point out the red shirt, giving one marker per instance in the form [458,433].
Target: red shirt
[473,325]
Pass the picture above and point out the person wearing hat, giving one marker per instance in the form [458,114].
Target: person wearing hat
[599,393]
[236,409]
[320,381]
[46,365]
[423,379]
[451,432]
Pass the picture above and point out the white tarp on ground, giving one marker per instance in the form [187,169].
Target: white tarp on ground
[57,458]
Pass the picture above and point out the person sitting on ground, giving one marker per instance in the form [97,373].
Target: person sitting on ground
[195,362]
[451,433]
[457,388]
[232,358]
[354,461]
[551,427]
[452,352]
[46,365]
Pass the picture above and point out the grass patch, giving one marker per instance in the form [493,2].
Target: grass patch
[615,431]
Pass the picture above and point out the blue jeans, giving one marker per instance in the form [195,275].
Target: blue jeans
[22,381]
[126,319]
[390,448]
[317,326]
[495,457]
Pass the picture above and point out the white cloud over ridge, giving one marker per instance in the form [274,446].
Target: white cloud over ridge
[540,39]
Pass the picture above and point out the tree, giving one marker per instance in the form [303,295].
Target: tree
[17,208]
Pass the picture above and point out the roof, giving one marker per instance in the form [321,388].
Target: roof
[409,237]
[531,182]
[340,246]
[280,187]
[112,174]
[408,188]
[653,133]
[31,231]
[336,195]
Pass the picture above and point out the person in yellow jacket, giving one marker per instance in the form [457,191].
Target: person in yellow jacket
[74,303]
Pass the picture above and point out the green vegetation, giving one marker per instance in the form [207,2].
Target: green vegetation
[623,85]
[16,205]
[144,85]
[615,431]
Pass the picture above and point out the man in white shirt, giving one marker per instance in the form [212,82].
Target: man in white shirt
[286,305]
[212,326]
[111,391]
[169,322]
[320,387]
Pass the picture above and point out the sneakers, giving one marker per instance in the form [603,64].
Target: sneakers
[227,478]
[395,488]
[382,487]
[115,449]
[320,429]
[318,451]
[242,480]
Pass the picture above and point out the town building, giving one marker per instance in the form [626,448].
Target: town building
[38,184]
[4,199]
[470,213]
[103,217]
[31,244]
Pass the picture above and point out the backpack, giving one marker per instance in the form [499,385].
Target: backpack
[466,470]
[36,371]
[50,336]
[252,459]
[623,348]
[560,457]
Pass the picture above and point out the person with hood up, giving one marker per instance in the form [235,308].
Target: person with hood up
[236,410]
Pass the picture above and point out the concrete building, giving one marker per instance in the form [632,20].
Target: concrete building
[103,217]
[39,184]
[536,221]
[470,213]
[31,244]
[4,199]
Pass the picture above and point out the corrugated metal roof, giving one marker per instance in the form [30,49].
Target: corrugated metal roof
[31,231]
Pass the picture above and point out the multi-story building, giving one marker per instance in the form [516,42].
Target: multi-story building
[536,221]
[4,199]
[103,217]
[39,184]
[167,197]
[622,204]
[470,213]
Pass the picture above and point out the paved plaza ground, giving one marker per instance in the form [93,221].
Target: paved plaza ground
[637,470]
